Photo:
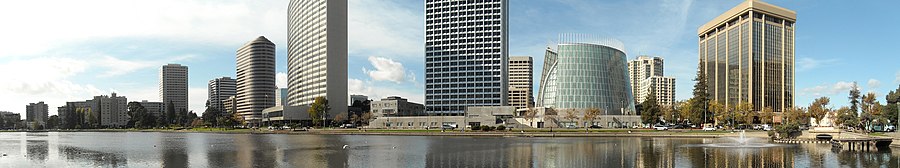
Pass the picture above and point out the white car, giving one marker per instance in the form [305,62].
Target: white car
[709,128]
[660,127]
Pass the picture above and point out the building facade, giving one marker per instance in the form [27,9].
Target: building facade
[587,73]
[747,55]
[358,98]
[173,86]
[220,89]
[153,108]
[317,53]
[229,105]
[255,78]
[662,87]
[112,110]
[396,106]
[36,112]
[466,55]
[281,95]
[521,82]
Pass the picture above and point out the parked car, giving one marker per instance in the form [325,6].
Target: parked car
[348,126]
[660,127]
[709,128]
[449,126]
[595,126]
[571,126]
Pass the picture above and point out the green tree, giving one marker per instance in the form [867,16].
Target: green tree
[819,109]
[669,113]
[720,113]
[52,122]
[795,115]
[686,111]
[743,113]
[767,115]
[854,98]
[845,117]
[211,116]
[138,115]
[170,113]
[319,110]
[700,101]
[650,111]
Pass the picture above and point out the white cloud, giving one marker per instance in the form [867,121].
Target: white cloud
[187,21]
[828,89]
[873,84]
[281,80]
[42,79]
[356,86]
[386,70]
[806,63]
[384,28]
[197,97]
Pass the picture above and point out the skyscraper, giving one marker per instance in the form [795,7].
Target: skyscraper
[317,53]
[219,90]
[747,55]
[586,72]
[255,84]
[521,77]
[646,76]
[465,54]
[173,86]
[281,96]
[36,112]
[112,109]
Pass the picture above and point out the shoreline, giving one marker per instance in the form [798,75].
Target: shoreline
[525,133]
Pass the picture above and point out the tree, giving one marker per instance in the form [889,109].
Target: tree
[795,115]
[318,110]
[52,122]
[743,113]
[366,117]
[700,102]
[686,111]
[845,117]
[570,115]
[341,118]
[669,113]
[819,109]
[211,116]
[590,115]
[854,98]
[767,115]
[169,117]
[138,117]
[355,119]
[720,112]
[650,111]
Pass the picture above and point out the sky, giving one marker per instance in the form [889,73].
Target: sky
[70,51]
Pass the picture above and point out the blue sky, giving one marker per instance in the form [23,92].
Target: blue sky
[69,51]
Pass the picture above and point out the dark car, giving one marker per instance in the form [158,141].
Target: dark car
[595,126]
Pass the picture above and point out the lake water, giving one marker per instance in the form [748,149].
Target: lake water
[151,149]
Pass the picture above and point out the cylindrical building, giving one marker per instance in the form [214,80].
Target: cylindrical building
[587,75]
[255,78]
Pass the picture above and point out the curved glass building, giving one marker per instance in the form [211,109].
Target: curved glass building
[585,73]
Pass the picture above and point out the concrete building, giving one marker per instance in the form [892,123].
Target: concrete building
[112,110]
[747,55]
[317,53]
[229,105]
[396,106]
[173,86]
[10,119]
[466,55]
[521,82]
[281,95]
[36,112]
[220,89]
[587,73]
[474,116]
[153,108]
[663,87]
[646,75]
[285,115]
[71,109]
[255,78]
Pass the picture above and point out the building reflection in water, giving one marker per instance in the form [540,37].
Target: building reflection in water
[37,150]
[96,158]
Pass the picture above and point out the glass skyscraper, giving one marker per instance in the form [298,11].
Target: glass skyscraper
[586,73]
[466,55]
[747,54]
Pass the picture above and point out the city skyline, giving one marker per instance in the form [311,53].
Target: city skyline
[387,60]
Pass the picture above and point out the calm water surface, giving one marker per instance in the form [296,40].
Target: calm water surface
[150,149]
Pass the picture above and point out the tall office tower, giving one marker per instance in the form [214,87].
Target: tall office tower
[466,55]
[662,87]
[219,90]
[255,78]
[36,112]
[112,110]
[521,79]
[747,55]
[173,86]
[281,97]
[317,53]
[586,72]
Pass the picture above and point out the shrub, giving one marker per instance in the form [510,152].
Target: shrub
[788,131]
[476,128]
[501,128]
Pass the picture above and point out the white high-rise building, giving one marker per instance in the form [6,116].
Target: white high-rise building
[255,78]
[466,55]
[521,82]
[663,87]
[112,110]
[173,86]
[281,97]
[219,90]
[317,53]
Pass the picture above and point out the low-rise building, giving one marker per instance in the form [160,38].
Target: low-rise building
[396,106]
[286,115]
[474,116]
[153,108]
